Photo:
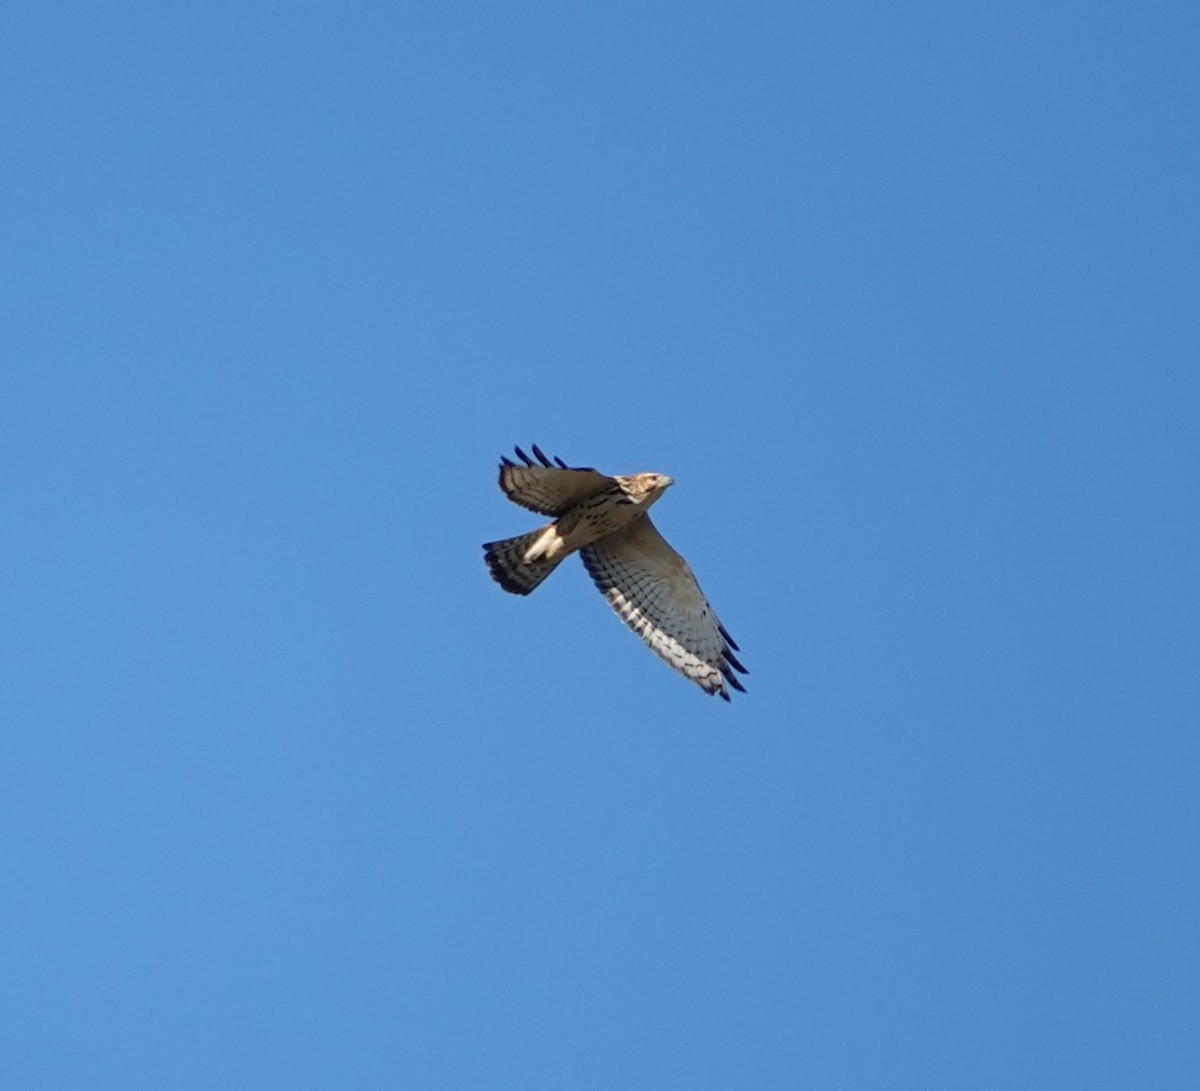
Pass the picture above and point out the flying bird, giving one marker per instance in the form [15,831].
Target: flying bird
[645,581]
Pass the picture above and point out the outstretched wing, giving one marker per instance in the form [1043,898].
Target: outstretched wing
[652,589]
[549,488]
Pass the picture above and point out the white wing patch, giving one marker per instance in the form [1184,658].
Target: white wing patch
[653,591]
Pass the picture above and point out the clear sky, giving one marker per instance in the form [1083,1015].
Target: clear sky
[904,297]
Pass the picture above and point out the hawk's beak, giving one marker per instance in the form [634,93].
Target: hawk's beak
[666,482]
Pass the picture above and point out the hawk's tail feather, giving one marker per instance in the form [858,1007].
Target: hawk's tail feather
[506,563]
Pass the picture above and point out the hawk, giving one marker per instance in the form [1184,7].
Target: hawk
[645,581]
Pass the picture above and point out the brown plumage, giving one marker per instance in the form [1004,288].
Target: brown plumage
[645,581]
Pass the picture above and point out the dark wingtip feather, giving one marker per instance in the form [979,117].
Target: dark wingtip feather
[732,679]
[523,456]
[537,453]
[506,461]
[728,639]
[731,659]
[723,695]
[561,464]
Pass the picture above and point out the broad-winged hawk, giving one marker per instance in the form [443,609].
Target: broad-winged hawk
[646,582]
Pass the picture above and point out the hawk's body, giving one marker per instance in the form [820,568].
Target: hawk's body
[645,581]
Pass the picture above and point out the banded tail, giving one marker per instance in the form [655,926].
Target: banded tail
[509,568]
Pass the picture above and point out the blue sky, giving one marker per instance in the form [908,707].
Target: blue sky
[904,297]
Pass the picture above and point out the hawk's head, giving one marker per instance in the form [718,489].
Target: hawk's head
[644,489]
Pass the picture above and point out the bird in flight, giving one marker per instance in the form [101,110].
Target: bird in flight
[645,581]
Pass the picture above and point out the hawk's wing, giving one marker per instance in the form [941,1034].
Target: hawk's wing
[652,589]
[545,487]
